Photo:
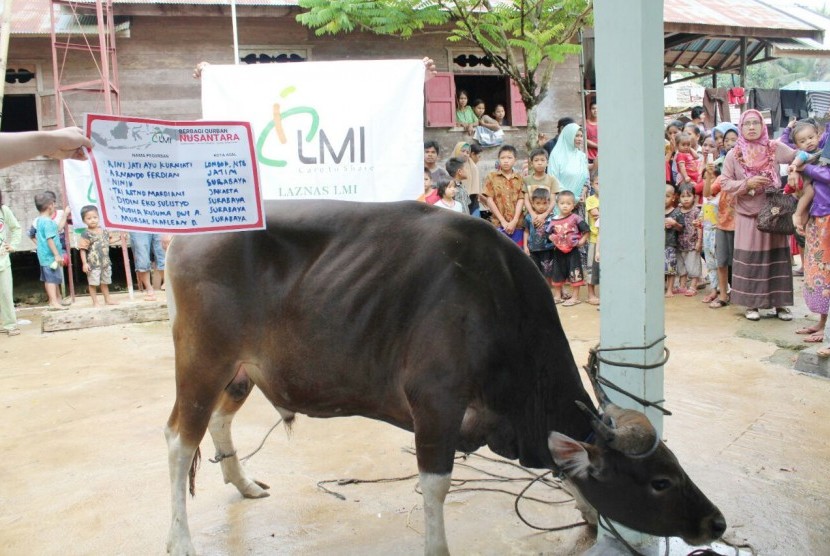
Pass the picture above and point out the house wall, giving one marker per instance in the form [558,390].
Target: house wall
[154,72]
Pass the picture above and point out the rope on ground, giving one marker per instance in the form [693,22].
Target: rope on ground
[459,485]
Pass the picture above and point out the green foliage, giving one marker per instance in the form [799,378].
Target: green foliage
[524,38]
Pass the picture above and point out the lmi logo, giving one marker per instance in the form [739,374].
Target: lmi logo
[315,144]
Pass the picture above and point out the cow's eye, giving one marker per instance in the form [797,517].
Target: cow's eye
[660,484]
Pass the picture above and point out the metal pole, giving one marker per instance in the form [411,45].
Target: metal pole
[5,34]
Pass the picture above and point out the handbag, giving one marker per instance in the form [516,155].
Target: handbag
[777,215]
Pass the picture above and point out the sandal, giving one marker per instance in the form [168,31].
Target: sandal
[12,331]
[690,293]
[593,301]
[557,300]
[816,338]
[718,303]
[571,302]
[710,298]
[752,314]
[783,314]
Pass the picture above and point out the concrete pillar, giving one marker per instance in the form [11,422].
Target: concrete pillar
[629,66]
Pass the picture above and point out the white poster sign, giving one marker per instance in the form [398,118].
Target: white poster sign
[80,189]
[175,177]
[337,130]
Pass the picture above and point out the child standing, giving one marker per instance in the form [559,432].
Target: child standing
[10,233]
[539,178]
[673,223]
[428,186]
[592,212]
[95,256]
[446,196]
[458,172]
[709,216]
[537,242]
[568,232]
[504,196]
[689,243]
[49,252]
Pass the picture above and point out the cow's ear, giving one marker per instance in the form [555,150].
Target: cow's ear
[570,456]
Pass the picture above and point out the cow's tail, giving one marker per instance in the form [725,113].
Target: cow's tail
[191,475]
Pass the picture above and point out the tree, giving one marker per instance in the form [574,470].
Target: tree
[525,39]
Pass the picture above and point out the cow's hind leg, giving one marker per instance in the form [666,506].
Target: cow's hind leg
[185,430]
[232,399]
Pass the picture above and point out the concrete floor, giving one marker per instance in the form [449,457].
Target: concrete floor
[86,464]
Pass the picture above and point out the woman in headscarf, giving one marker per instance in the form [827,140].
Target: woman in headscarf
[568,162]
[761,272]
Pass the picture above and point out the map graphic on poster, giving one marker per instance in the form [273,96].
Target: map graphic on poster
[175,177]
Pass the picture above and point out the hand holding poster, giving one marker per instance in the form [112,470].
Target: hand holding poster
[175,177]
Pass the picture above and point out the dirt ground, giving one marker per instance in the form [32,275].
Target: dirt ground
[86,462]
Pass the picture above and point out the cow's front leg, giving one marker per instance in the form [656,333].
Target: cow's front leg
[437,423]
[434,488]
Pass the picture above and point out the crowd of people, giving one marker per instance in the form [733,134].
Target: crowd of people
[718,181]
[736,173]
[549,206]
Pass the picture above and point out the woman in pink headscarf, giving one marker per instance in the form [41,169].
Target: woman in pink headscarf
[761,272]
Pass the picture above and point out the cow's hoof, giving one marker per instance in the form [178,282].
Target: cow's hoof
[180,549]
[255,489]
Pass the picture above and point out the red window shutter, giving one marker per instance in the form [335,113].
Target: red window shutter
[439,93]
[518,112]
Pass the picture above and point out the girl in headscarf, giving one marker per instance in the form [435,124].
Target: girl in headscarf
[718,133]
[568,163]
[761,272]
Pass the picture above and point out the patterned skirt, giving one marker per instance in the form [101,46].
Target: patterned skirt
[762,277]
[817,264]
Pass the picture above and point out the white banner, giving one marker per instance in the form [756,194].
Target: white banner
[335,130]
[80,189]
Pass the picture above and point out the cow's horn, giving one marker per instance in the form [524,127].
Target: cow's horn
[600,428]
[634,435]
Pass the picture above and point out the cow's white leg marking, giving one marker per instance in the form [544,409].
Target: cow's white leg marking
[179,458]
[435,488]
[232,470]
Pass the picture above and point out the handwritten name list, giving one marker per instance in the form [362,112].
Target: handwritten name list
[175,177]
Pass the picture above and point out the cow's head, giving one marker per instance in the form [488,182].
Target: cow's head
[631,477]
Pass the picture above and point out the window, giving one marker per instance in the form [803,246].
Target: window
[20,111]
[263,54]
[475,73]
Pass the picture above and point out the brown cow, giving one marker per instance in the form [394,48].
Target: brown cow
[426,319]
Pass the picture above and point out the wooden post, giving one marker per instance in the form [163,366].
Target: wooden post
[5,34]
[632,203]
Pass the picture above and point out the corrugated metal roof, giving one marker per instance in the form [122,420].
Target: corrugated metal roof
[749,14]
[704,36]
[807,86]
[32,18]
